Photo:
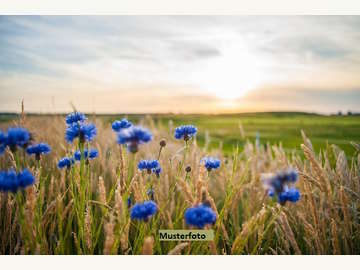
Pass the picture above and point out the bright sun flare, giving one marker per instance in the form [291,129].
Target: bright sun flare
[233,74]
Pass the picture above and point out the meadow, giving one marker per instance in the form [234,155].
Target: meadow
[88,206]
[231,130]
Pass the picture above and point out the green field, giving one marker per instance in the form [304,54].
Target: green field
[271,127]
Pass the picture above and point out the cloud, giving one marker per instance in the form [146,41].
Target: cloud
[191,59]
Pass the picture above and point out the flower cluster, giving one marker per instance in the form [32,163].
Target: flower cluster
[38,150]
[118,125]
[185,132]
[84,131]
[133,137]
[87,154]
[150,166]
[143,211]
[12,181]
[280,185]
[211,163]
[200,215]
[66,162]
[75,117]
[291,194]
[78,128]
[15,137]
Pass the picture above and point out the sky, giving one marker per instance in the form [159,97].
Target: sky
[180,64]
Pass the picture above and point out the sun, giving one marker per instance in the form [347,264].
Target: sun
[233,74]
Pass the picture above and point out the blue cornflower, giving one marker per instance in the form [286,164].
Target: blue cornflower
[143,211]
[148,165]
[199,216]
[85,132]
[292,195]
[2,142]
[211,163]
[292,175]
[25,178]
[75,117]
[17,136]
[93,153]
[10,181]
[279,185]
[65,162]
[157,171]
[133,136]
[38,149]
[119,125]
[185,132]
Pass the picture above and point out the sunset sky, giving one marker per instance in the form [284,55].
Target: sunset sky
[180,64]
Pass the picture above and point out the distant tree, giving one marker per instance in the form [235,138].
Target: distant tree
[349,113]
[339,113]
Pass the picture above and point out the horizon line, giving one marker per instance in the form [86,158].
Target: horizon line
[343,113]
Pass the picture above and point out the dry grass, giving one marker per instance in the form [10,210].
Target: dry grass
[324,221]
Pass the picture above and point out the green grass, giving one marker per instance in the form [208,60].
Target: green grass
[272,127]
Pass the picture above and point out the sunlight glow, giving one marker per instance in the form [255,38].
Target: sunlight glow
[233,74]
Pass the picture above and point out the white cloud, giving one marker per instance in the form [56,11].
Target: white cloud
[165,57]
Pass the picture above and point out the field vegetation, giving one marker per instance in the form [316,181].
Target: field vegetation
[86,207]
